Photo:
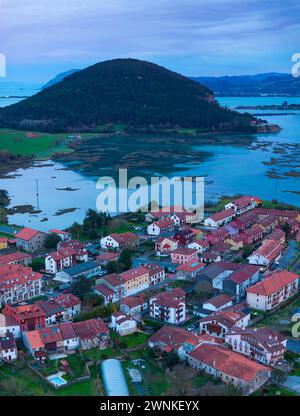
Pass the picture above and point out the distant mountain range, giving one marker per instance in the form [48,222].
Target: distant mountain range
[271,83]
[138,94]
[60,77]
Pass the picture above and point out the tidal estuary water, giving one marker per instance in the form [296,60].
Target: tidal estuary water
[269,167]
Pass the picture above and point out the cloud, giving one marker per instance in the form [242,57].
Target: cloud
[184,33]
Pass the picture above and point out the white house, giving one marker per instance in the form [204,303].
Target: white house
[161,226]
[262,344]
[243,204]
[9,324]
[220,323]
[218,303]
[122,323]
[71,305]
[60,260]
[267,253]
[119,241]
[220,218]
[169,306]
[64,235]
[229,367]
[8,348]
[134,305]
[276,288]
[200,246]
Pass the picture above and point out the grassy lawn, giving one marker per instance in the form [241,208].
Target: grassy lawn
[183,284]
[16,141]
[99,355]
[86,388]
[23,383]
[132,340]
[77,365]
[219,206]
[156,380]
[278,205]
[278,391]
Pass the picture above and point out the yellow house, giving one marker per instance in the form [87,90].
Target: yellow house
[135,280]
[236,242]
[3,243]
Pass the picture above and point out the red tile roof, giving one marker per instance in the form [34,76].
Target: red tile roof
[104,290]
[27,234]
[261,337]
[170,299]
[50,334]
[164,223]
[276,212]
[125,238]
[13,257]
[16,274]
[244,201]
[219,300]
[174,338]
[67,300]
[113,279]
[270,250]
[133,301]
[273,282]
[185,251]
[108,256]
[222,215]
[154,269]
[24,311]
[63,254]
[228,362]
[277,235]
[191,266]
[229,316]
[88,330]
[133,273]
[35,340]
[67,330]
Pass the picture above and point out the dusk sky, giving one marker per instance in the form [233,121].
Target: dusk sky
[41,38]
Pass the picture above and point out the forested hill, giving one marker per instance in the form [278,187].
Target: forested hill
[136,93]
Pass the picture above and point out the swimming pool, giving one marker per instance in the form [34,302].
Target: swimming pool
[57,380]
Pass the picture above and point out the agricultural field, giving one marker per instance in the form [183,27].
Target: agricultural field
[37,145]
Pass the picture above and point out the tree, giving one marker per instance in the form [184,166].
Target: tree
[76,230]
[286,228]
[126,258]
[278,376]
[91,300]
[38,264]
[247,250]
[81,287]
[172,359]
[51,240]
[112,267]
[181,384]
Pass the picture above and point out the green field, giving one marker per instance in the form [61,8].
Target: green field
[41,147]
